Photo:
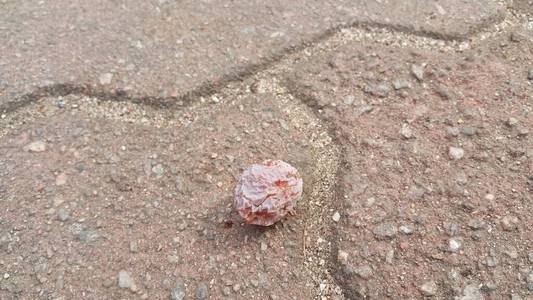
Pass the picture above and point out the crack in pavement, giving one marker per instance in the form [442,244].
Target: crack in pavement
[360,31]
[267,74]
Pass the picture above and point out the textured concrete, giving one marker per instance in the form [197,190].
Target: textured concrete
[415,152]
[428,140]
[525,6]
[167,48]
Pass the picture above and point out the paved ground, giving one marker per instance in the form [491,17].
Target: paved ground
[437,176]
[124,126]
[168,48]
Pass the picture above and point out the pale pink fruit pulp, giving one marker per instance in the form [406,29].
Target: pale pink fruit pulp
[266,192]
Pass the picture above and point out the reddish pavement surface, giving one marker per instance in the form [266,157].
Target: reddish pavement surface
[169,48]
[416,156]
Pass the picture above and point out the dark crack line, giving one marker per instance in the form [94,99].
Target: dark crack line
[336,268]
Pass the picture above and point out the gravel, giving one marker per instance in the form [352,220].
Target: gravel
[406,229]
[134,247]
[132,210]
[125,281]
[201,292]
[37,146]
[178,292]
[379,90]
[226,291]
[406,132]
[62,215]
[516,297]
[385,230]
[476,224]
[349,100]
[511,122]
[400,84]
[444,92]
[418,72]
[451,228]
[509,223]
[472,292]
[336,216]
[363,271]
[454,245]
[491,261]
[342,256]
[158,170]
[452,131]
[264,246]
[428,288]
[456,153]
[469,131]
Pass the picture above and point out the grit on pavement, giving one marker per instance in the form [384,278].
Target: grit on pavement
[124,126]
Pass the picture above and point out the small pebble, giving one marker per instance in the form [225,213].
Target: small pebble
[444,92]
[529,278]
[472,292]
[363,271]
[400,84]
[61,179]
[456,153]
[107,283]
[491,261]
[134,247]
[509,223]
[349,100]
[178,292]
[385,230]
[429,288]
[516,297]
[523,131]
[37,146]
[511,252]
[264,246]
[125,281]
[489,286]
[342,256]
[406,229]
[255,283]
[62,215]
[489,197]
[469,131]
[158,170]
[201,291]
[454,245]
[406,132]
[452,131]
[512,122]
[336,216]
[418,72]
[476,224]
[60,103]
